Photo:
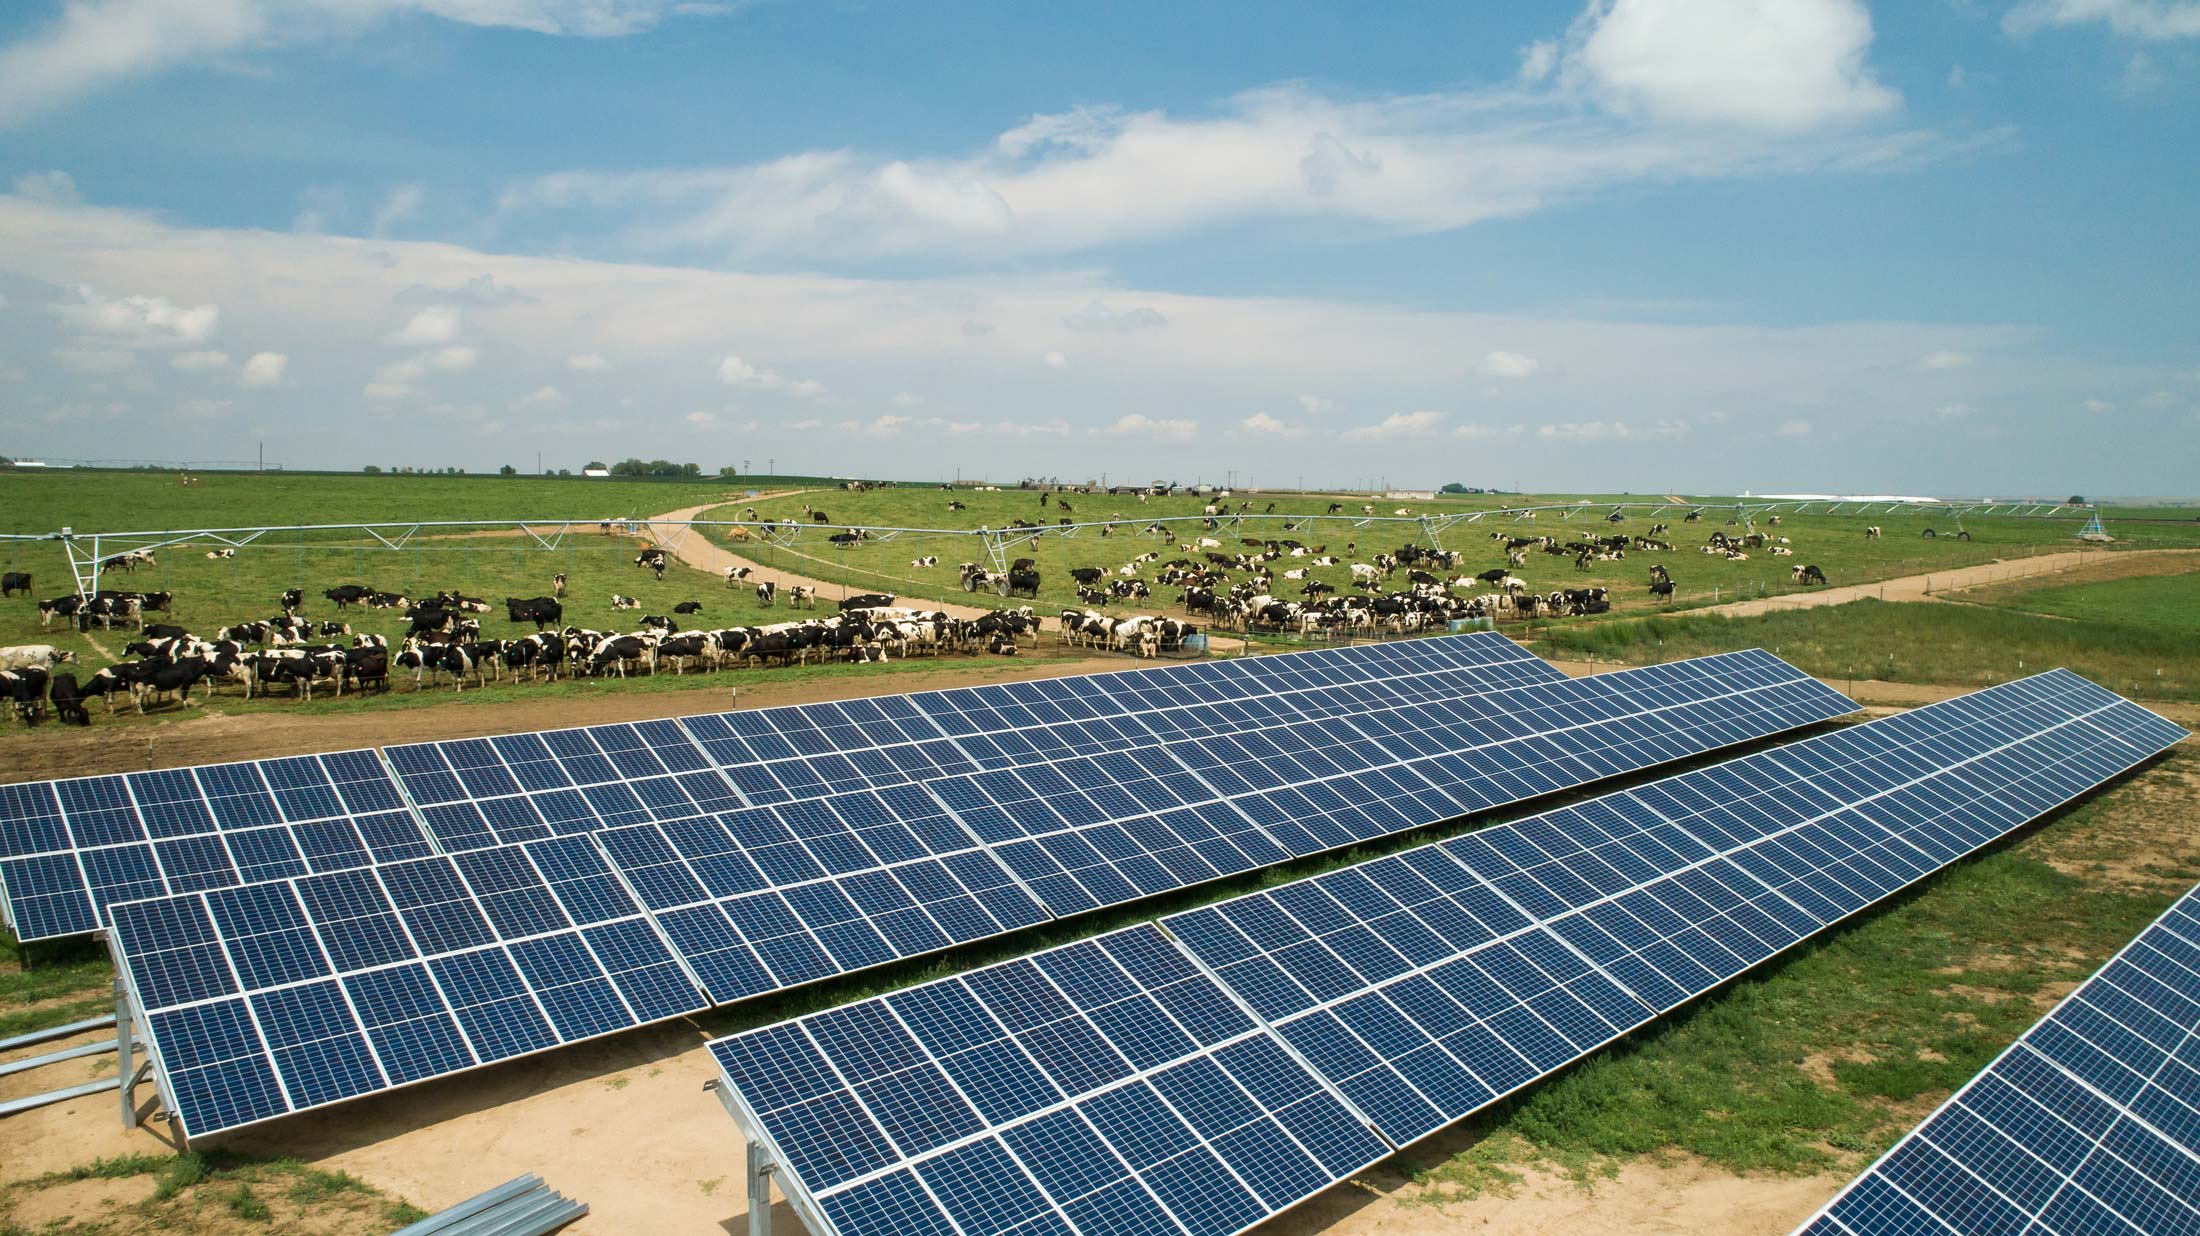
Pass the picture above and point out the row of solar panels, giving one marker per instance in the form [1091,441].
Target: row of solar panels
[434,965]
[1195,1076]
[71,848]
[2089,1122]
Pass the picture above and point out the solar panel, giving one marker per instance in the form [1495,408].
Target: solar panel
[265,999]
[2089,1122]
[69,849]
[1426,984]
[480,792]
[766,898]
[1107,1086]
[770,897]
[1415,989]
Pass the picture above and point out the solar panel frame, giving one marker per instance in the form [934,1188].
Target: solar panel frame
[1995,1153]
[1220,1115]
[1548,978]
[789,935]
[597,777]
[1540,978]
[868,744]
[670,858]
[77,845]
[264,1000]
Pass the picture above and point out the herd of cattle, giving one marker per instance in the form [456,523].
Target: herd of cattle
[443,641]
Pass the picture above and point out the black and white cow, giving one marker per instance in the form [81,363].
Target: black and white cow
[1807,575]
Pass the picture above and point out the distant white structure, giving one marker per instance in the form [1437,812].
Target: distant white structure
[1410,495]
[595,472]
[1839,498]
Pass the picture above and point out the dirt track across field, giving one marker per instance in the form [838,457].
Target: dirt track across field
[698,551]
[1928,587]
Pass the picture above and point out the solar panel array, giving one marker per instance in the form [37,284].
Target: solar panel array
[271,998]
[69,849]
[1414,989]
[483,791]
[2090,1122]
[768,897]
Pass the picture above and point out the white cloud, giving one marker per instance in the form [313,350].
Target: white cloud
[51,187]
[2141,76]
[733,371]
[803,426]
[701,418]
[1945,360]
[1262,423]
[264,369]
[1397,425]
[2158,401]
[1139,425]
[1600,431]
[400,204]
[588,362]
[1951,411]
[436,324]
[2152,20]
[2098,407]
[541,396]
[1098,317]
[1712,90]
[1055,360]
[1507,365]
[95,44]
[1483,433]
[451,359]
[142,321]
[395,380]
[1315,405]
[908,399]
[1784,67]
[200,360]
[1538,61]
[1793,429]
[482,291]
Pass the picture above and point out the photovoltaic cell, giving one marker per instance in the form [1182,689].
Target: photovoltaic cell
[1416,988]
[2090,1121]
[265,999]
[69,849]
[764,898]
[480,792]
[1105,1086]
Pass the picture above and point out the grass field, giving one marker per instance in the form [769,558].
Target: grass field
[1834,543]
[2158,602]
[1956,645]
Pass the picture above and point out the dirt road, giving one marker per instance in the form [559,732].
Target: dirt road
[698,551]
[1928,587]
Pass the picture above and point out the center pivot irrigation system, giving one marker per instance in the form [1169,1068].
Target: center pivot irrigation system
[90,552]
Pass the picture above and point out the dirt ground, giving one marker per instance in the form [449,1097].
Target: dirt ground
[626,1124]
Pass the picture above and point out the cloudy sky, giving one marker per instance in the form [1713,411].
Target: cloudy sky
[1944,246]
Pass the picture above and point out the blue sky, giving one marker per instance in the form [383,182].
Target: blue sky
[1946,246]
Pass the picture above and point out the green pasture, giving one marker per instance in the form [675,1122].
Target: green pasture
[1955,645]
[2161,602]
[1835,543]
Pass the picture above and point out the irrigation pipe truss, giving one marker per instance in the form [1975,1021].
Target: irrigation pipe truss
[90,552]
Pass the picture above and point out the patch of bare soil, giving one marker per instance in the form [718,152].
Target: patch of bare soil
[1645,1199]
